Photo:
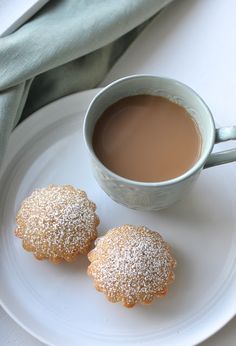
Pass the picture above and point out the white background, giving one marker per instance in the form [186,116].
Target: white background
[13,13]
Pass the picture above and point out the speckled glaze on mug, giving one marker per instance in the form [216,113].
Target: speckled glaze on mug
[155,196]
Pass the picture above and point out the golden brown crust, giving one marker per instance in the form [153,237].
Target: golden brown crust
[131,264]
[57,223]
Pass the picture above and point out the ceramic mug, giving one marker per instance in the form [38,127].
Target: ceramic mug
[159,195]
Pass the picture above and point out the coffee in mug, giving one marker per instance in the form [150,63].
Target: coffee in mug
[147,138]
[140,119]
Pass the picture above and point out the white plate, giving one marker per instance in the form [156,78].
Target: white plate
[58,304]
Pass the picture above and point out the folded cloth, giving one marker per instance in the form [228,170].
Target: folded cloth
[67,47]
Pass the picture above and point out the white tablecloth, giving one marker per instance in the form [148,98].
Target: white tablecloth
[192,41]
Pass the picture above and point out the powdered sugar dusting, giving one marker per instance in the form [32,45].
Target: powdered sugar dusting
[57,222]
[131,264]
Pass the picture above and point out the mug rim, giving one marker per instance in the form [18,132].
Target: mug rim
[198,164]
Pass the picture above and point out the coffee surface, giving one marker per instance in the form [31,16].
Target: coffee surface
[147,138]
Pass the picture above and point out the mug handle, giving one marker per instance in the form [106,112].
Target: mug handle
[222,134]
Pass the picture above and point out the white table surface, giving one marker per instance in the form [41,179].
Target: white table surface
[192,41]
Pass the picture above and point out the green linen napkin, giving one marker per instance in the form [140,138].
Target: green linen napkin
[67,47]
